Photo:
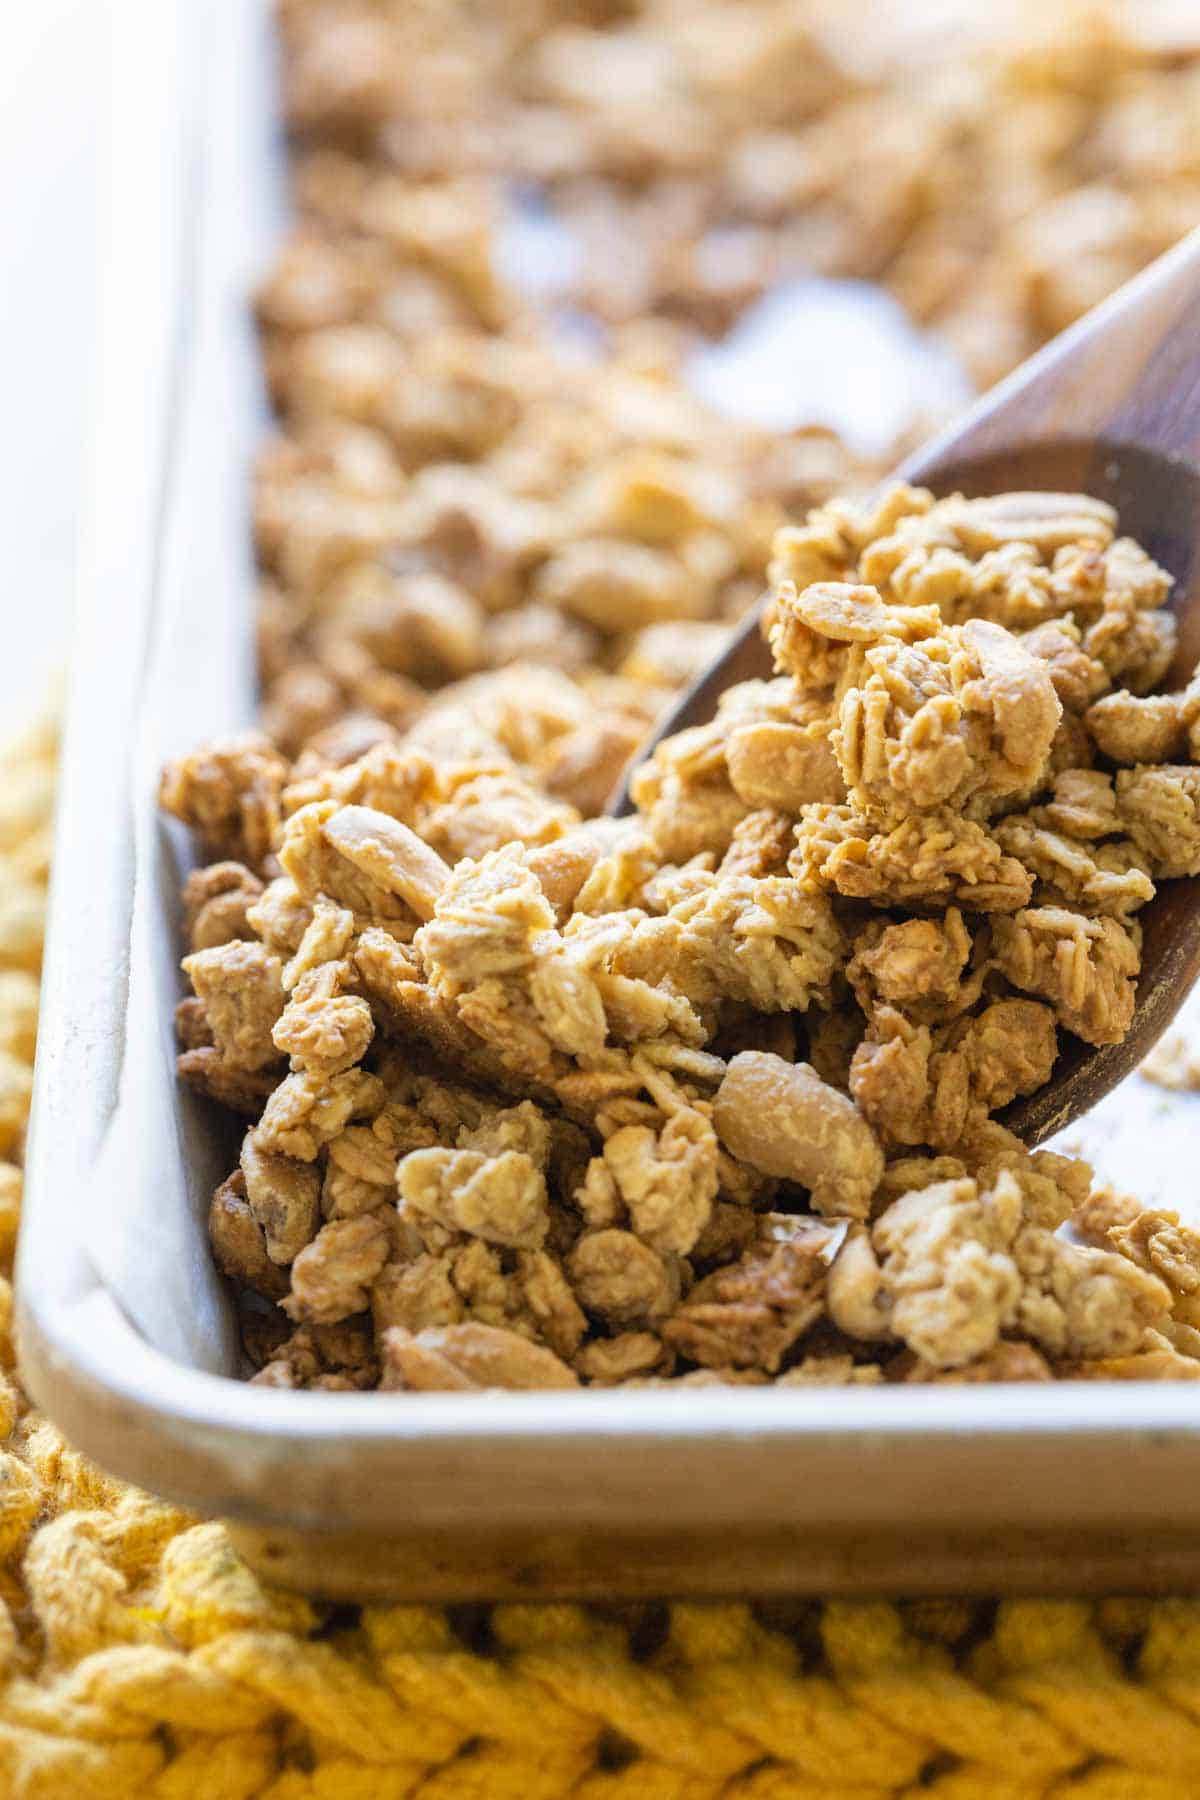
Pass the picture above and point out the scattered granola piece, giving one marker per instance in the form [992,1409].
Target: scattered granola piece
[1079,1303]
[763,941]
[667,1180]
[1009,1049]
[953,1283]
[305,1111]
[631,1356]
[1097,878]
[1086,968]
[933,858]
[284,1196]
[1160,808]
[1174,1063]
[1131,728]
[337,1358]
[324,1033]
[921,959]
[239,1242]
[1005,1361]
[1158,1242]
[831,1371]
[906,1088]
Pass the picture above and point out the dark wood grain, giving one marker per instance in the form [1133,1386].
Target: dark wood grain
[1110,408]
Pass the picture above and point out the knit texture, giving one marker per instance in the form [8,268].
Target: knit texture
[139,1656]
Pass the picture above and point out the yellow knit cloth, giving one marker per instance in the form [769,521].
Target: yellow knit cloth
[138,1656]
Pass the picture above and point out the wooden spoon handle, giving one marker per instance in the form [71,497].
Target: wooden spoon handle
[1127,373]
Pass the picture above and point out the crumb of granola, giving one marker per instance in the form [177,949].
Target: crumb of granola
[326,1033]
[500,1199]
[334,1358]
[239,1241]
[666,1182]
[1086,967]
[306,1111]
[1160,808]
[945,1264]
[283,1195]
[831,1371]
[1006,1361]
[630,1356]
[1174,1063]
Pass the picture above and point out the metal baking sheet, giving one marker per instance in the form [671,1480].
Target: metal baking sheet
[126,1332]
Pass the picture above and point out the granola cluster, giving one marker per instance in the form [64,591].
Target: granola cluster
[513,226]
[536,1098]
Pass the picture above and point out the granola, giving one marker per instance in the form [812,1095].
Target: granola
[537,1111]
[530,1099]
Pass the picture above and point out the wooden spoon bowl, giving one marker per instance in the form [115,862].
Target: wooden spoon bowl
[1111,408]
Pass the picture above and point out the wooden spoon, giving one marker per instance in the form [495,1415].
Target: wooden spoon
[1109,408]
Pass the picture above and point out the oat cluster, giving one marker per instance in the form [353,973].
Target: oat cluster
[476,467]
[538,1099]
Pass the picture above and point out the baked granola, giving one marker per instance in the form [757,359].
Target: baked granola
[531,1097]
[541,1099]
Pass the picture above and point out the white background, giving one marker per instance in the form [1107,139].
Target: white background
[51,72]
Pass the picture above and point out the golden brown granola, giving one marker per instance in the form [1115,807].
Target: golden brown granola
[1173,1063]
[540,1112]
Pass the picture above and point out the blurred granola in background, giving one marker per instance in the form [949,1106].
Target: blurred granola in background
[537,1099]
[1000,168]
[517,225]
